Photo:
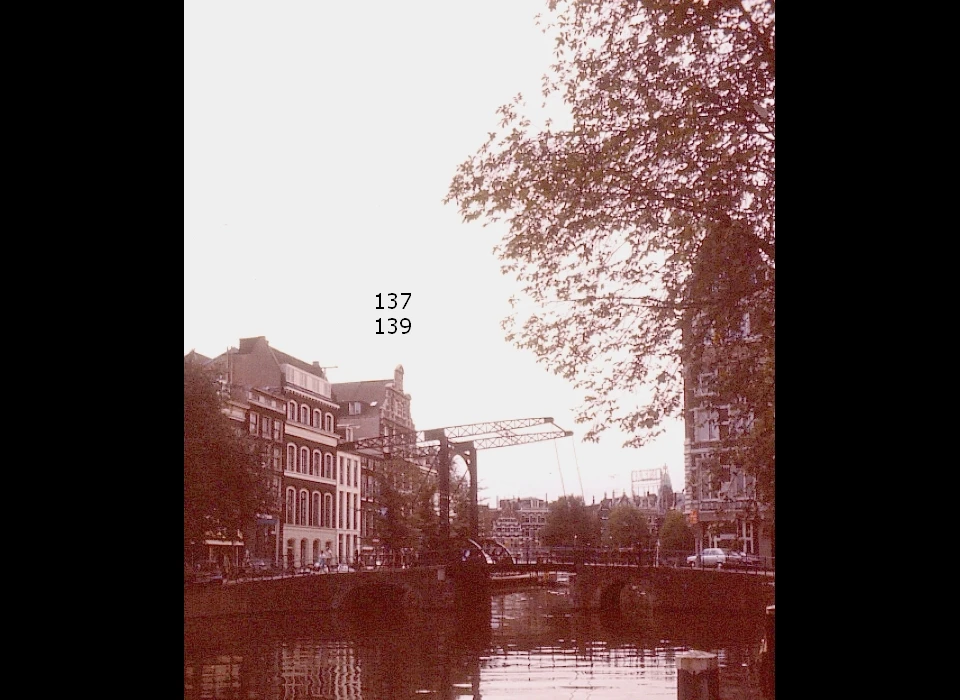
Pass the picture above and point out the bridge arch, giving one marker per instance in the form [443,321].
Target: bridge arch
[641,589]
[612,592]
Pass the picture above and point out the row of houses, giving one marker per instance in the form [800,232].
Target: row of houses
[328,495]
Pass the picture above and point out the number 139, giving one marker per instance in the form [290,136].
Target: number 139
[391,325]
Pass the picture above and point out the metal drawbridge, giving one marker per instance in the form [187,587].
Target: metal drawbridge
[436,449]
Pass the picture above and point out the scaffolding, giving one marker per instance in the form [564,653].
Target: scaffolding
[647,481]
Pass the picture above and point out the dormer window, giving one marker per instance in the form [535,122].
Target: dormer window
[353,408]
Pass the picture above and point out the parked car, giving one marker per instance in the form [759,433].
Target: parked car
[725,559]
[739,560]
[711,556]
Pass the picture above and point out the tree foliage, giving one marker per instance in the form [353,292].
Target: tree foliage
[225,482]
[645,228]
[569,522]
[626,527]
[396,517]
[675,534]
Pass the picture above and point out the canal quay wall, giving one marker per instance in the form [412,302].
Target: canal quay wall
[421,588]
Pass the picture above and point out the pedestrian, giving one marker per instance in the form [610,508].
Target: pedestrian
[327,559]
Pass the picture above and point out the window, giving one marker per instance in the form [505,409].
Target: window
[328,465]
[305,415]
[353,408]
[706,427]
[315,510]
[315,467]
[291,458]
[328,423]
[327,510]
[265,428]
[253,423]
[316,418]
[304,460]
[277,459]
[348,434]
[289,514]
[302,509]
[340,513]
[292,411]
[278,430]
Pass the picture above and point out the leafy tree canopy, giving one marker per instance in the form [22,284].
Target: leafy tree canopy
[225,484]
[396,520]
[626,526]
[569,522]
[675,533]
[645,228]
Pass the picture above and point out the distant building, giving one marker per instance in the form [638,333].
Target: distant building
[520,523]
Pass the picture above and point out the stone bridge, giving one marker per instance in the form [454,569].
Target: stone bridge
[422,588]
[611,588]
[594,587]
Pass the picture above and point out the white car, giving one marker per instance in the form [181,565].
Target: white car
[711,556]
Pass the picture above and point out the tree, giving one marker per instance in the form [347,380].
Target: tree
[426,519]
[460,504]
[645,229]
[395,525]
[225,481]
[569,522]
[675,534]
[626,527]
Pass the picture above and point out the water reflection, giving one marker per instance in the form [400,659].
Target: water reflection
[525,645]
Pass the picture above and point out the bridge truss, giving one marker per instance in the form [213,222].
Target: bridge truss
[436,449]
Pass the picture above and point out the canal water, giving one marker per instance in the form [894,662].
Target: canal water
[526,645]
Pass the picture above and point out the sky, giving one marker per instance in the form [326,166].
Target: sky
[319,142]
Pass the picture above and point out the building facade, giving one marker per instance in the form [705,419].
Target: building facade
[371,409]
[720,502]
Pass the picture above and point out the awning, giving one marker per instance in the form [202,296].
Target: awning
[223,543]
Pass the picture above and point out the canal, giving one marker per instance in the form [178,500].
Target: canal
[525,645]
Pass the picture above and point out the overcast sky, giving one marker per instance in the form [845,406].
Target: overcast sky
[319,141]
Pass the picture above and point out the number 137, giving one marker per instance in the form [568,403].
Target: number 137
[392,303]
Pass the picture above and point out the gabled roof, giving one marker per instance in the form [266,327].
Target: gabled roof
[195,357]
[249,345]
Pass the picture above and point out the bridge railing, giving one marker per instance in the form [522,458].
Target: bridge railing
[566,556]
